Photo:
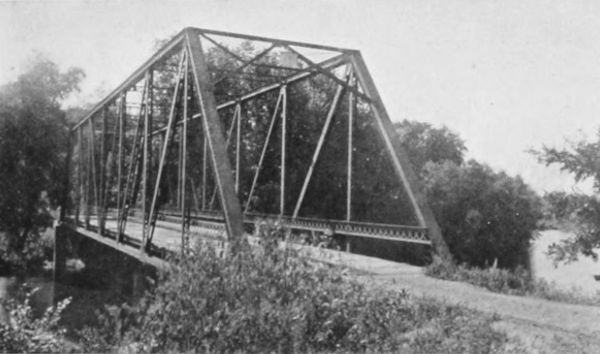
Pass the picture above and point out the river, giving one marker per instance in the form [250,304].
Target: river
[578,275]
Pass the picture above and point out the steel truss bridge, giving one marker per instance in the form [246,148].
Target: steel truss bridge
[218,131]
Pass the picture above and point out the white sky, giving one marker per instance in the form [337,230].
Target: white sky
[506,75]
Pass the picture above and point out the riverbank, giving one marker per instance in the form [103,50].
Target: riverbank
[543,326]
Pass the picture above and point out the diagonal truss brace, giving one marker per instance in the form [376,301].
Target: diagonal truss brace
[263,153]
[324,132]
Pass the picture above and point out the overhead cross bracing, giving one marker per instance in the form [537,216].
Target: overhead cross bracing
[220,130]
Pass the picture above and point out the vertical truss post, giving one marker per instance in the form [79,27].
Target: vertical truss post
[183,166]
[146,159]
[283,150]
[132,180]
[163,157]
[212,129]
[180,150]
[324,132]
[179,171]
[79,177]
[103,168]
[67,176]
[264,150]
[238,109]
[400,159]
[93,162]
[88,181]
[109,171]
[351,106]
[121,122]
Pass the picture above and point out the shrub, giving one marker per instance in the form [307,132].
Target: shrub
[515,282]
[24,333]
[268,299]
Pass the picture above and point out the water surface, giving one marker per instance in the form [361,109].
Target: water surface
[577,275]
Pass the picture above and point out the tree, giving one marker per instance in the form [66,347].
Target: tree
[582,159]
[563,207]
[425,143]
[484,215]
[33,137]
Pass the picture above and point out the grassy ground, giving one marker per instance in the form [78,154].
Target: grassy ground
[512,282]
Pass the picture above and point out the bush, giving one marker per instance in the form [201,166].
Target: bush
[268,299]
[484,216]
[515,282]
[24,333]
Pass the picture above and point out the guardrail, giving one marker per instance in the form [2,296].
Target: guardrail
[404,233]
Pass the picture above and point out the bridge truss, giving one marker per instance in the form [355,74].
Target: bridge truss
[218,131]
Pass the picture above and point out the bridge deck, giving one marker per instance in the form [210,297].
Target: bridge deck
[167,235]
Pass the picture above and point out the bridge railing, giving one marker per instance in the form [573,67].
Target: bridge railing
[211,225]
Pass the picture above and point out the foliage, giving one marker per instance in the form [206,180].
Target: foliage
[425,143]
[512,282]
[42,88]
[561,205]
[33,136]
[38,250]
[562,210]
[582,159]
[517,282]
[24,333]
[586,238]
[268,299]
[484,215]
